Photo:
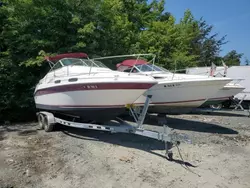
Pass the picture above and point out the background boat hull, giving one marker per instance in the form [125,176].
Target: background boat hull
[223,95]
[180,97]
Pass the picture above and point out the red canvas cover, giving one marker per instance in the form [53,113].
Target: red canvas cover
[130,63]
[68,55]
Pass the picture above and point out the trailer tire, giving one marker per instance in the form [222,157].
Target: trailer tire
[226,104]
[170,156]
[40,118]
[245,105]
[48,127]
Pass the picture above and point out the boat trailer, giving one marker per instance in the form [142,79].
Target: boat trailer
[47,122]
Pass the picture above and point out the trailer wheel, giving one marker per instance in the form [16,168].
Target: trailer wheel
[226,104]
[48,127]
[245,105]
[170,156]
[41,121]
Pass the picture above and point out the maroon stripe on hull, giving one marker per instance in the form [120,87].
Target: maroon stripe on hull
[93,86]
[86,106]
[179,101]
[220,98]
[175,101]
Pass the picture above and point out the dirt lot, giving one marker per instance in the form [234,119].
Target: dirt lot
[219,156]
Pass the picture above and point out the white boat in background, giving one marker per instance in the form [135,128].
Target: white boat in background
[243,73]
[174,93]
[223,95]
[238,88]
[87,89]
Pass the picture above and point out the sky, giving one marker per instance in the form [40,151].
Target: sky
[229,17]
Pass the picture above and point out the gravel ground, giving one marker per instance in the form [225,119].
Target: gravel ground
[69,157]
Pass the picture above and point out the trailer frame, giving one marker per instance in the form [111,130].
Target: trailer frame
[47,121]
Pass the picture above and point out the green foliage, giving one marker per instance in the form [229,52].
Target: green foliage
[17,86]
[32,29]
[232,58]
[247,62]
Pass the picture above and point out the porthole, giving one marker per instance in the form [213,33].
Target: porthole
[73,79]
[57,81]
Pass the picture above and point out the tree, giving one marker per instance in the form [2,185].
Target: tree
[121,22]
[53,26]
[28,27]
[171,41]
[187,31]
[247,62]
[207,45]
[232,58]
[3,20]
[165,16]
[17,85]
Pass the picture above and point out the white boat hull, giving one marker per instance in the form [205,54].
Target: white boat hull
[94,101]
[234,72]
[224,94]
[180,96]
[88,99]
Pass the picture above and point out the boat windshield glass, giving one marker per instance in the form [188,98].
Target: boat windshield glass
[82,62]
[149,68]
[99,64]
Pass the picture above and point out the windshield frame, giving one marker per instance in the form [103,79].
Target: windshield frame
[151,68]
[82,62]
[85,62]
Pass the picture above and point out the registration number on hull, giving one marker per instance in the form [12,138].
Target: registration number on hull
[172,85]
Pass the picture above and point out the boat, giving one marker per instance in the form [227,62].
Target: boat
[235,89]
[86,89]
[174,93]
[224,95]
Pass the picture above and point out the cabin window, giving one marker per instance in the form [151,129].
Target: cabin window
[57,66]
[156,77]
[134,70]
[73,79]
[127,70]
[57,81]
[72,61]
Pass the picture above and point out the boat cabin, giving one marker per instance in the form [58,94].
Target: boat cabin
[73,59]
[73,64]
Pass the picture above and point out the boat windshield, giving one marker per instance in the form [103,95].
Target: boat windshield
[82,62]
[149,68]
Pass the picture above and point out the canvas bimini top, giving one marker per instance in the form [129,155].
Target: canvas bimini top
[72,59]
[138,65]
[129,63]
[68,55]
